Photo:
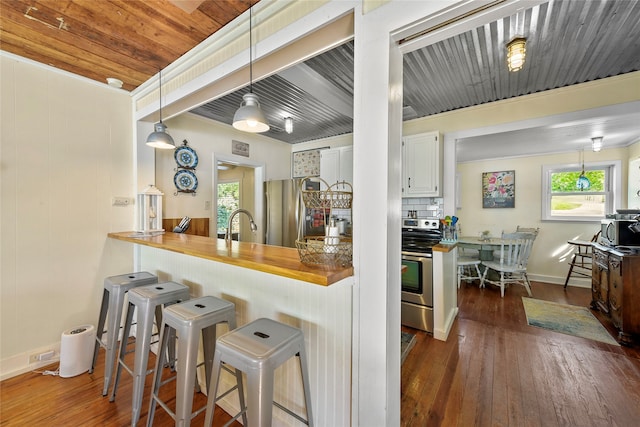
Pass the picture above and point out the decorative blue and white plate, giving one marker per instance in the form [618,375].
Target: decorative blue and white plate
[185,180]
[186,157]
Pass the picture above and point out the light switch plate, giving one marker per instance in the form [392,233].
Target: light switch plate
[122,201]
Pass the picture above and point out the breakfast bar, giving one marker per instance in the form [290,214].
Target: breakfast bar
[276,260]
[267,281]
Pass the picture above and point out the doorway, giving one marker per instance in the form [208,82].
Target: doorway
[249,176]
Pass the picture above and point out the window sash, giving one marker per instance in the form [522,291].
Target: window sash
[612,170]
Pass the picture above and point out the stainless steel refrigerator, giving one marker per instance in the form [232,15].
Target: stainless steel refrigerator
[284,211]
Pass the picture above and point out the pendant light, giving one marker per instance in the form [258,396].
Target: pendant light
[160,138]
[583,182]
[249,117]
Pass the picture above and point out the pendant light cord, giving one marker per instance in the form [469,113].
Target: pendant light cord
[250,48]
[160,78]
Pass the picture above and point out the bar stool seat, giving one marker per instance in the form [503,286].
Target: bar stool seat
[188,320]
[145,301]
[115,289]
[257,349]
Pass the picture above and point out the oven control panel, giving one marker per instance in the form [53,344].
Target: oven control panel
[421,223]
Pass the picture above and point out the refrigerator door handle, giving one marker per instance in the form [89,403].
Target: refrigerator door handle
[268,215]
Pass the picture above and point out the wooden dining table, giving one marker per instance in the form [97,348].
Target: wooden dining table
[485,247]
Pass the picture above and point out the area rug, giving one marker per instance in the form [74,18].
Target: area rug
[408,341]
[566,319]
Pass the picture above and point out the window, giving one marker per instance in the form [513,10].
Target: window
[568,197]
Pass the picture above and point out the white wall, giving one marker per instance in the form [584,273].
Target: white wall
[551,252]
[66,151]
[207,137]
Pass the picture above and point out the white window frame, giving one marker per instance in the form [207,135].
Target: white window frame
[613,169]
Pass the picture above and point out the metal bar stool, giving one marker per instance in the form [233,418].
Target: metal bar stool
[115,289]
[188,320]
[257,349]
[145,301]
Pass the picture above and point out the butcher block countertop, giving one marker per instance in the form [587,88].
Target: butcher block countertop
[444,247]
[268,259]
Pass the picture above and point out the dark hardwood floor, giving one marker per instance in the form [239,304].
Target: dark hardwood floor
[494,370]
[33,399]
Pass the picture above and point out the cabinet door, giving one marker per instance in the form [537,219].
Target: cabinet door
[422,165]
[600,281]
[346,167]
[329,167]
[615,290]
[336,165]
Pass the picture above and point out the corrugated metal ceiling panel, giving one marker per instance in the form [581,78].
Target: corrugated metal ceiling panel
[568,42]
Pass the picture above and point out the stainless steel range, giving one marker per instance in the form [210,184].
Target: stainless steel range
[419,235]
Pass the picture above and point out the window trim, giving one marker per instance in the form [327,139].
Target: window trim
[613,169]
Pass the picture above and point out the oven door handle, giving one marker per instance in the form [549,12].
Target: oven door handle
[414,256]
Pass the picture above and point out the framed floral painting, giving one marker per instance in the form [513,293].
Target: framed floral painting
[499,189]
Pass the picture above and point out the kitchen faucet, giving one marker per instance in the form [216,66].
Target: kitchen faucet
[253,225]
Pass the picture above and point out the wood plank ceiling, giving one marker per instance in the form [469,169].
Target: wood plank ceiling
[99,39]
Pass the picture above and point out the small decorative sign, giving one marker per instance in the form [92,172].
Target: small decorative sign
[240,148]
[499,189]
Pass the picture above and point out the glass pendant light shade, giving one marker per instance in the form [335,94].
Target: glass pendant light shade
[160,138]
[583,182]
[249,117]
[516,52]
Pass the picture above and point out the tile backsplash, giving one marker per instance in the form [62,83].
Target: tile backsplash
[426,207]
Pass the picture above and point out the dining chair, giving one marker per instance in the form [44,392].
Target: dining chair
[582,258]
[511,264]
[468,265]
[534,230]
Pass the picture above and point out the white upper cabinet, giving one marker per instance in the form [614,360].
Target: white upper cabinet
[336,165]
[422,165]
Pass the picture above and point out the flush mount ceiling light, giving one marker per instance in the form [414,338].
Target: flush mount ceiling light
[160,138]
[516,52]
[113,82]
[596,143]
[288,124]
[249,117]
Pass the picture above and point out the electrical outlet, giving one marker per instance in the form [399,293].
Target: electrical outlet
[207,205]
[121,201]
[41,357]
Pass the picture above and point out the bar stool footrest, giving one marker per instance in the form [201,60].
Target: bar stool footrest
[290,412]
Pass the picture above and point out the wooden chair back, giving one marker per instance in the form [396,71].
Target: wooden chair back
[516,249]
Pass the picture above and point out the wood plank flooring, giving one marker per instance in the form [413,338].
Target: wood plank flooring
[494,370]
[33,399]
